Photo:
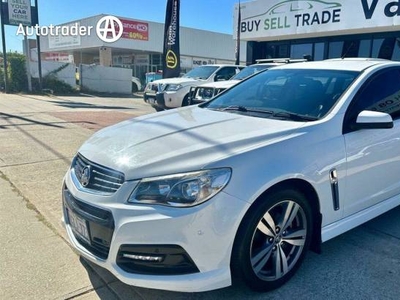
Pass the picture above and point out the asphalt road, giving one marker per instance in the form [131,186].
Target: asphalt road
[38,138]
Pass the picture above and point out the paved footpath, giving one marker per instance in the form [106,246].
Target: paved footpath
[38,138]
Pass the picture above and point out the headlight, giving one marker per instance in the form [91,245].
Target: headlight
[181,190]
[173,87]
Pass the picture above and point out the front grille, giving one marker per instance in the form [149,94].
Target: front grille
[99,223]
[206,93]
[101,179]
[154,87]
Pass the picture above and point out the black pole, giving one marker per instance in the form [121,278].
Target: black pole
[38,50]
[237,50]
[3,38]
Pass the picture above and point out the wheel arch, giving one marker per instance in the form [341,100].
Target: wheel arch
[311,195]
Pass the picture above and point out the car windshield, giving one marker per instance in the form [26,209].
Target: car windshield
[292,94]
[202,72]
[250,70]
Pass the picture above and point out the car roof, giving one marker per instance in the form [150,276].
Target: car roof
[220,65]
[344,64]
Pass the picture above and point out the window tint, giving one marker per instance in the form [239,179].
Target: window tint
[202,72]
[225,73]
[380,93]
[304,92]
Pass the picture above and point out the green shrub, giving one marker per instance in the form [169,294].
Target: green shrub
[53,85]
[1,78]
[17,78]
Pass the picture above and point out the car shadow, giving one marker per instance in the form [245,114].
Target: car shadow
[360,264]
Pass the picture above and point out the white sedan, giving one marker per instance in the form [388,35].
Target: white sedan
[240,186]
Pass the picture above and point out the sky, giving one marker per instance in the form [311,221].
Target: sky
[211,15]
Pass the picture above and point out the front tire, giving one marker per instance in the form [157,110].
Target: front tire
[185,101]
[272,240]
[135,88]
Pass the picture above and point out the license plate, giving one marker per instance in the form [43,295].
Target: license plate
[79,226]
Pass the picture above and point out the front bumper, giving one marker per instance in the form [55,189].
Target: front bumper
[156,100]
[199,239]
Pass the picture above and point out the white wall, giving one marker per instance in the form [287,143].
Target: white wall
[106,79]
[67,74]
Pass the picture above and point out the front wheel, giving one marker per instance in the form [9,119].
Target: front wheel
[185,101]
[272,240]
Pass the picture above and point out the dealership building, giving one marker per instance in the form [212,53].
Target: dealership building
[320,29]
[140,47]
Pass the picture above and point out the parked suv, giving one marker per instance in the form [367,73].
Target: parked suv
[174,92]
[208,90]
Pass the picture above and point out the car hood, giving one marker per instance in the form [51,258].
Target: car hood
[178,80]
[220,84]
[181,140]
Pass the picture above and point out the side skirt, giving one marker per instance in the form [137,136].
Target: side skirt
[332,230]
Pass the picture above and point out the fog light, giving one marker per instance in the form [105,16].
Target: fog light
[143,257]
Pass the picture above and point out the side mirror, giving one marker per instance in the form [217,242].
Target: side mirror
[368,119]
[220,78]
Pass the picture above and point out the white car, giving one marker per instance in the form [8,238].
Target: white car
[174,92]
[136,84]
[208,90]
[240,186]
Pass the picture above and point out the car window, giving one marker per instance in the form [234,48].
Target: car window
[380,93]
[202,72]
[250,70]
[296,91]
[225,73]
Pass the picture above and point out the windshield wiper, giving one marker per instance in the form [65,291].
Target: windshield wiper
[235,107]
[293,116]
[247,109]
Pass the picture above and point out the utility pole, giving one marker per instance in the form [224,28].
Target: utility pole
[38,50]
[28,62]
[3,38]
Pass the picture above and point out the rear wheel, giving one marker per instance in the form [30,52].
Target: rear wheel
[272,240]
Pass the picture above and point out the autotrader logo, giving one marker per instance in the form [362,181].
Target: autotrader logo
[109,29]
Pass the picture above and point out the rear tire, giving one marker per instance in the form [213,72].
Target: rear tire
[272,240]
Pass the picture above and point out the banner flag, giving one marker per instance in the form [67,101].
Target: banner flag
[171,53]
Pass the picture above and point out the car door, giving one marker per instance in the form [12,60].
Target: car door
[373,155]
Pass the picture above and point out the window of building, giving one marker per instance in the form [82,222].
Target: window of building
[335,49]
[365,48]
[300,50]
[319,49]
[376,46]
[396,50]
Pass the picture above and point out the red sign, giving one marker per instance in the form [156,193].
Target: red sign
[135,30]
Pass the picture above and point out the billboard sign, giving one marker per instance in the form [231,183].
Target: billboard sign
[134,30]
[288,19]
[19,12]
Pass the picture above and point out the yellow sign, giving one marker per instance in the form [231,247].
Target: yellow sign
[171,60]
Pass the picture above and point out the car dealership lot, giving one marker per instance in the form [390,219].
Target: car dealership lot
[38,138]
